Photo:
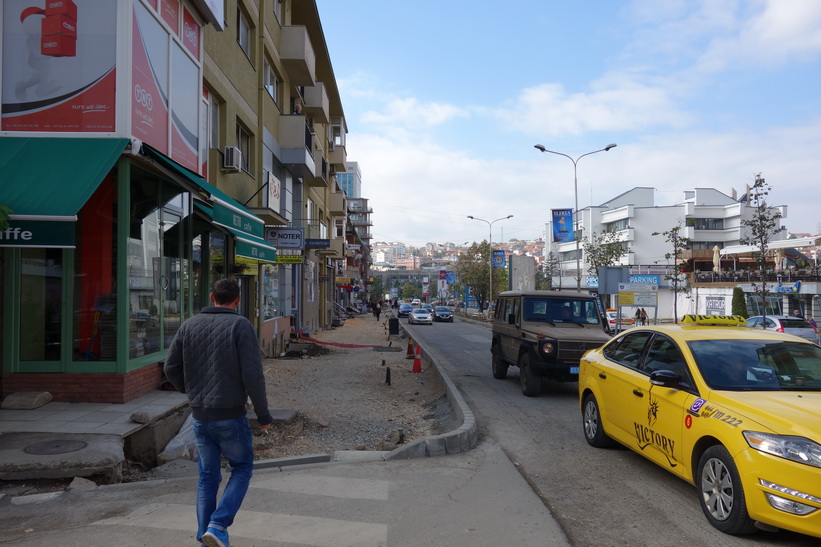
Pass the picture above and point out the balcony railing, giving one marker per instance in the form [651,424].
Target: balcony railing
[298,55]
[753,276]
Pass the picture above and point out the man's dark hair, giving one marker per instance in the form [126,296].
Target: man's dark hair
[225,291]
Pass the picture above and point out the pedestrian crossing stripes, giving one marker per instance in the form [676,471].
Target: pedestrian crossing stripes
[258,526]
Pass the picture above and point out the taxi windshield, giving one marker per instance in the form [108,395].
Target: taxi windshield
[758,365]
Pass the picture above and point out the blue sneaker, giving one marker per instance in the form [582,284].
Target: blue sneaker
[215,538]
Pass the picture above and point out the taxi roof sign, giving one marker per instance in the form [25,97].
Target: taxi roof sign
[724,320]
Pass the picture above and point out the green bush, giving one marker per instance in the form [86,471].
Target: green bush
[740,303]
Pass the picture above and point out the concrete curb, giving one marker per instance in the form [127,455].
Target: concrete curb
[461,439]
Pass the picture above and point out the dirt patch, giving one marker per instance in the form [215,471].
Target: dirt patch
[351,398]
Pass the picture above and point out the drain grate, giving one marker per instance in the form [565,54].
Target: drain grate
[47,448]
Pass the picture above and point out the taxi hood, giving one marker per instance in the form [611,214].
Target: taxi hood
[782,412]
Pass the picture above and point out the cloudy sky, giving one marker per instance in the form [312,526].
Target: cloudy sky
[445,100]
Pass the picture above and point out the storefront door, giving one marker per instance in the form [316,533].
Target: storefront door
[39,316]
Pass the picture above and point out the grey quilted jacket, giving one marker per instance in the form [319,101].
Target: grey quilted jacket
[215,359]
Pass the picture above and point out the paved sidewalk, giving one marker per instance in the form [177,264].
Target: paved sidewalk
[473,499]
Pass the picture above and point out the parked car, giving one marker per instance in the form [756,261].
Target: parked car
[624,321]
[404,310]
[731,410]
[784,323]
[442,313]
[420,316]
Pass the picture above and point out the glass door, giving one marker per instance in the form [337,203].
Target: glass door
[40,318]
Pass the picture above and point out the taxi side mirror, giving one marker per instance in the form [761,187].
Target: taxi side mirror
[665,378]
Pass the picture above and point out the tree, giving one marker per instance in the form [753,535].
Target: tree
[761,227]
[473,270]
[603,250]
[680,244]
[5,221]
[551,270]
[739,306]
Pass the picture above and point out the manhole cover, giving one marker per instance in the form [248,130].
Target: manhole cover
[54,447]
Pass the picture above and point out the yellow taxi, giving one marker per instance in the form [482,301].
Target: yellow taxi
[732,410]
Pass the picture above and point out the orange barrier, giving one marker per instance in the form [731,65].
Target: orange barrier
[410,349]
[417,362]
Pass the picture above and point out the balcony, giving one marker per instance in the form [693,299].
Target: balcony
[317,104]
[298,55]
[319,179]
[335,251]
[296,140]
[336,204]
[338,157]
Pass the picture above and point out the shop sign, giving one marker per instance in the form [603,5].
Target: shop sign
[317,243]
[38,233]
[288,259]
[285,238]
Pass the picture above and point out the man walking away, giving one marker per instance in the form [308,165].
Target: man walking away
[215,359]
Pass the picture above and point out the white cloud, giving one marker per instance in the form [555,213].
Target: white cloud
[614,103]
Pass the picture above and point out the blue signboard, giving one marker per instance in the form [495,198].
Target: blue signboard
[499,259]
[562,225]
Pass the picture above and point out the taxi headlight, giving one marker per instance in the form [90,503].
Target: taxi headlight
[797,449]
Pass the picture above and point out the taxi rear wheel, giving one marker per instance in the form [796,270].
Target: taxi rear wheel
[531,383]
[593,429]
[722,496]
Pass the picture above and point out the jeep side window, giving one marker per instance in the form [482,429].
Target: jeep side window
[507,309]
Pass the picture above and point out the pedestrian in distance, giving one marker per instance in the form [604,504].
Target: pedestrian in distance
[215,360]
[377,310]
[643,317]
[798,314]
[637,317]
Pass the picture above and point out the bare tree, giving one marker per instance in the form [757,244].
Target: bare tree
[761,228]
[680,244]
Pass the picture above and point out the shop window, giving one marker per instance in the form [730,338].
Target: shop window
[41,297]
[158,242]
[270,291]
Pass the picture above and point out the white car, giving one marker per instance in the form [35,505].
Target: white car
[416,302]
[420,316]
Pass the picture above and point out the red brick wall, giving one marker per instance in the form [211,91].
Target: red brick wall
[87,387]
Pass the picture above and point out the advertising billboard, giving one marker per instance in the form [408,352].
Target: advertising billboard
[562,225]
[59,66]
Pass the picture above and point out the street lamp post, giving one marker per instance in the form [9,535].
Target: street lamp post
[576,212]
[490,249]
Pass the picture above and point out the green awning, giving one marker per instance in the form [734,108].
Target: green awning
[248,246]
[227,211]
[253,247]
[46,181]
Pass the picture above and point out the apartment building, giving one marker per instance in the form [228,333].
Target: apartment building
[160,147]
[713,222]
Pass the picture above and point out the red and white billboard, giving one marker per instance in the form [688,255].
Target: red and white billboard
[149,80]
[59,65]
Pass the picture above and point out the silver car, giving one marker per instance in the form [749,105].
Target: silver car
[420,316]
[784,323]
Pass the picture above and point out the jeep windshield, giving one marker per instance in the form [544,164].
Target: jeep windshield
[582,311]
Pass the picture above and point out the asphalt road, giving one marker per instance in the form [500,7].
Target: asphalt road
[598,496]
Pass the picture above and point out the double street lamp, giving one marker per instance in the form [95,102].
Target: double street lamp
[576,211]
[490,248]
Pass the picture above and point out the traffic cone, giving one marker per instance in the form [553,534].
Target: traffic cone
[417,362]
[410,349]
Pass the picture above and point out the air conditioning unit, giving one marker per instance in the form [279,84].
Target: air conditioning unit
[232,160]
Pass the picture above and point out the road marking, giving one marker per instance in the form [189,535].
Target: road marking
[336,487]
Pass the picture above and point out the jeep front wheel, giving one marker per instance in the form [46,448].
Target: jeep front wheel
[531,383]
[499,367]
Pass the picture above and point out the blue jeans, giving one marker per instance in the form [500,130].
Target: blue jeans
[232,439]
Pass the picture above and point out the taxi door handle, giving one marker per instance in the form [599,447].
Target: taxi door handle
[603,376]
[638,393]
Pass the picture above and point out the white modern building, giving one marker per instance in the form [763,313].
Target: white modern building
[709,219]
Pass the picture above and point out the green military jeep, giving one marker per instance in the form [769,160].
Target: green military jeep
[545,334]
